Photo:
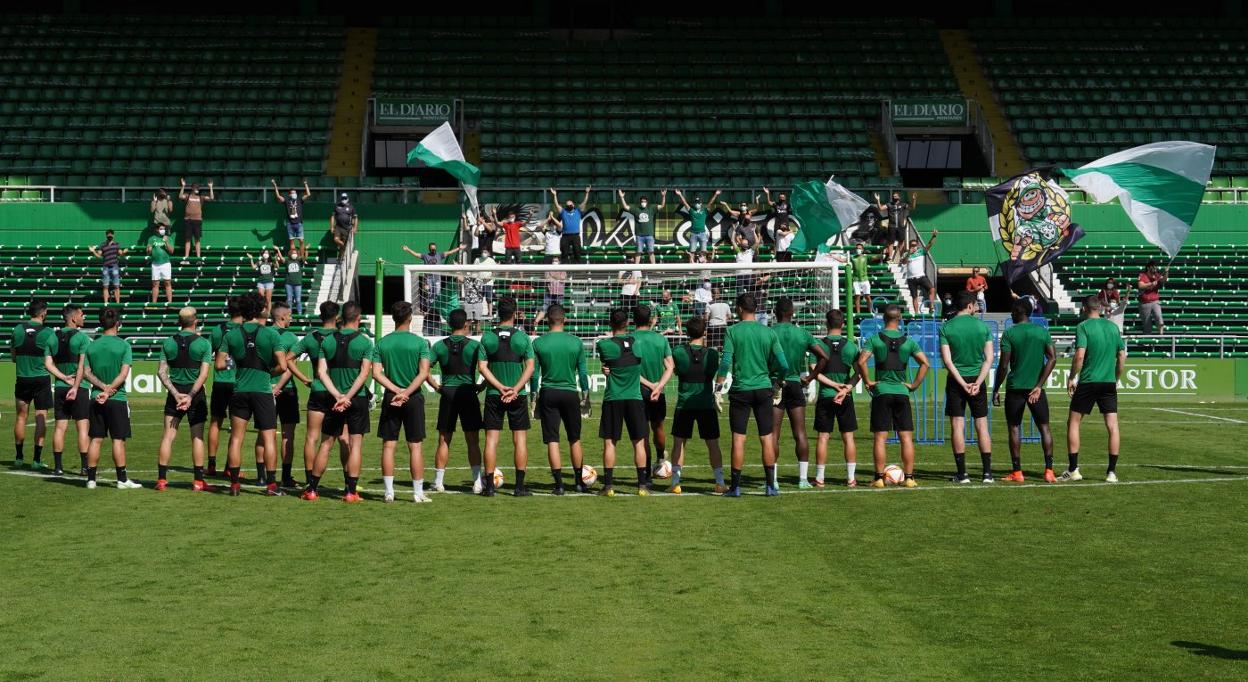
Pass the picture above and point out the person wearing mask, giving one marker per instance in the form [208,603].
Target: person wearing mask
[161,208]
[159,250]
[699,235]
[292,203]
[977,284]
[916,273]
[1114,302]
[569,221]
[553,238]
[743,236]
[717,314]
[266,267]
[898,222]
[512,227]
[110,252]
[193,217]
[294,279]
[433,257]
[785,233]
[1151,281]
[344,223]
[647,220]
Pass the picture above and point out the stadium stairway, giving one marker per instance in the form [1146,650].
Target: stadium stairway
[355,85]
[976,86]
[70,274]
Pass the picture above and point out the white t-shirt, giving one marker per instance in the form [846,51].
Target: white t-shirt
[718,314]
[915,264]
[632,284]
[702,294]
[784,240]
[552,243]
[486,277]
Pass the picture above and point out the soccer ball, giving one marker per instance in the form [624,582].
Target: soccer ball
[589,475]
[893,475]
[663,469]
[498,478]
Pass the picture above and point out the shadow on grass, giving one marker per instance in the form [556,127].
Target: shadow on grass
[1179,468]
[1212,651]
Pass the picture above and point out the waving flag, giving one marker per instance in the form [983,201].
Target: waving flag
[1030,215]
[440,149]
[823,210]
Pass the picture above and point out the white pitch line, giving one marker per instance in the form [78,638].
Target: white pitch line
[1197,414]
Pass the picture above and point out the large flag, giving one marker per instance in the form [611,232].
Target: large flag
[440,149]
[1030,215]
[1160,186]
[823,210]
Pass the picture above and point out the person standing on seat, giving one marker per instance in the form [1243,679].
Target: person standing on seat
[569,222]
[193,217]
[292,204]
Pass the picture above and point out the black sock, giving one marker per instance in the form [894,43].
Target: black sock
[286,471]
[770,473]
[1048,461]
[17,447]
[557,474]
[1016,462]
[164,471]
[520,478]
[736,479]
[307,474]
[986,459]
[649,464]
[212,463]
[608,476]
[272,477]
[960,460]
[57,459]
[1113,464]
[199,473]
[577,473]
[642,476]
[38,453]
[233,473]
[1074,461]
[314,482]
[121,475]
[352,481]
[91,471]
[260,473]
[83,456]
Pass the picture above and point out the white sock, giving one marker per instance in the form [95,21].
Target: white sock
[803,468]
[418,486]
[476,473]
[389,481]
[676,474]
[438,474]
[851,468]
[819,472]
[719,475]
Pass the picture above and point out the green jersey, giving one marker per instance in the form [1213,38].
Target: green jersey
[561,359]
[891,382]
[667,316]
[77,346]
[265,270]
[400,353]
[1025,342]
[216,336]
[859,264]
[652,349]
[647,218]
[750,351]
[848,355]
[287,341]
[617,354]
[695,390]
[359,349]
[1101,342]
[105,357]
[32,342]
[159,255]
[458,368]
[507,361]
[796,343]
[965,335]
[697,220]
[311,345]
[199,351]
[253,348]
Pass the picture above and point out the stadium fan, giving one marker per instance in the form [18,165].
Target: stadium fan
[1100,357]
[34,345]
[1150,283]
[898,212]
[556,285]
[694,366]
[917,280]
[630,288]
[561,360]
[344,367]
[433,257]
[319,404]
[266,267]
[834,406]
[699,235]
[159,249]
[512,227]
[344,223]
[750,351]
[647,220]
[1028,354]
[294,279]
[717,314]
[701,297]
[286,395]
[797,344]
[553,239]
[622,405]
[966,352]
[1114,302]
[472,296]
[569,222]
[667,314]
[401,366]
[193,216]
[977,284]
[292,204]
[70,400]
[508,366]
[185,361]
[743,235]
[890,391]
[107,365]
[459,359]
[110,253]
[859,266]
[486,233]
[222,382]
[161,208]
[656,370]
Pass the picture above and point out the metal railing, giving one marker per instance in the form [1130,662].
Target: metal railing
[984,136]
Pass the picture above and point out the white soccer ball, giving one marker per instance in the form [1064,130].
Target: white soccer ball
[498,479]
[589,475]
[663,469]
[893,475]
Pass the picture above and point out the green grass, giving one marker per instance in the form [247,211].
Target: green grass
[1078,581]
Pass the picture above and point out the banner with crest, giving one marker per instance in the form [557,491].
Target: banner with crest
[1030,215]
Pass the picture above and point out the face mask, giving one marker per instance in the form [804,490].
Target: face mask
[160,232]
[643,204]
[293,195]
[108,239]
[344,202]
[264,256]
[432,251]
[698,205]
[1110,287]
[569,207]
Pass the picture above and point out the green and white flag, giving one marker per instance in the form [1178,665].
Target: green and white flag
[440,149]
[822,211]
[1160,186]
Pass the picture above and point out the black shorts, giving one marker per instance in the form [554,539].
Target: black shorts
[556,406]
[342,234]
[196,414]
[110,420]
[259,407]
[222,394]
[37,390]
[459,404]
[707,421]
[517,412]
[616,414]
[354,418]
[919,285]
[957,400]
[792,396]
[890,412]
[320,401]
[288,406]
[79,408]
[656,411]
[829,416]
[740,404]
[409,417]
[193,229]
[896,234]
[1016,403]
[1103,395]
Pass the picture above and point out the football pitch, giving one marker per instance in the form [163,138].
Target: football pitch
[1143,579]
